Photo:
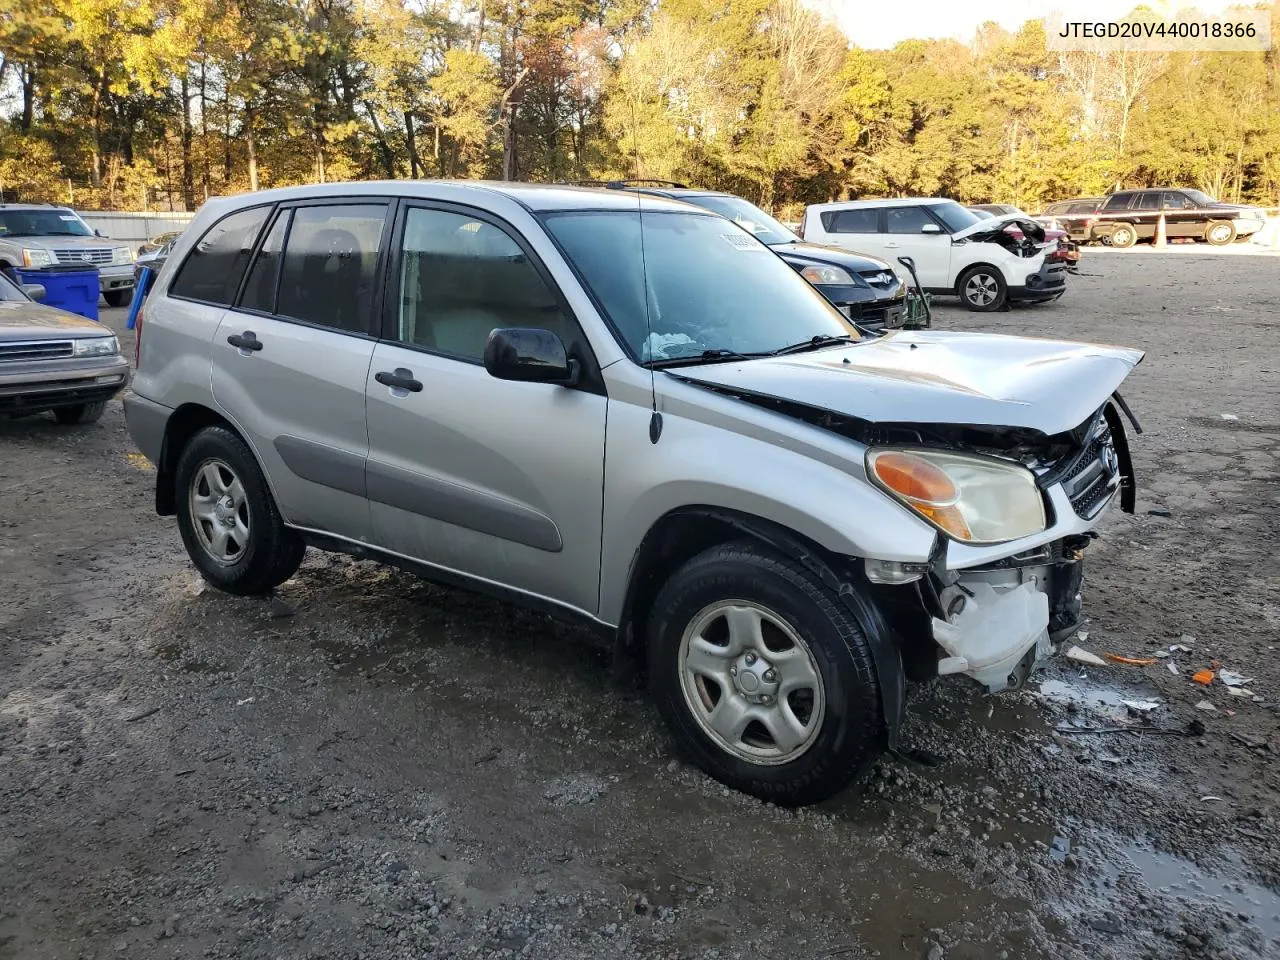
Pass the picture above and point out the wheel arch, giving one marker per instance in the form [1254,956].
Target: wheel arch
[684,532]
[970,267]
[185,421]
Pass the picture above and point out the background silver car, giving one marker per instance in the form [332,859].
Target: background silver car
[622,410]
[38,235]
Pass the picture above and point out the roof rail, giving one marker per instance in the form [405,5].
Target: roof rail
[623,184]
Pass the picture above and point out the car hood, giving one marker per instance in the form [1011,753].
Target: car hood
[27,320]
[985,229]
[50,242]
[940,378]
[804,252]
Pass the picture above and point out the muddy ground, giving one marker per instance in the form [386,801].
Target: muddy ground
[374,767]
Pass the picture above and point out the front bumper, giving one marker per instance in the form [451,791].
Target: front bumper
[1049,281]
[65,384]
[117,276]
[147,422]
[871,308]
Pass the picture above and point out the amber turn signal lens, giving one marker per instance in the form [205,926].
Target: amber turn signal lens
[915,478]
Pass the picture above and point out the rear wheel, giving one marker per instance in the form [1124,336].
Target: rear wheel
[118,298]
[1124,236]
[1220,233]
[762,675]
[80,413]
[229,522]
[982,288]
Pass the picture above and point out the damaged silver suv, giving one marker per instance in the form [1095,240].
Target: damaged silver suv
[621,410]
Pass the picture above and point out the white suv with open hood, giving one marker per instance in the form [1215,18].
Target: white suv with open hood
[625,411]
[954,250]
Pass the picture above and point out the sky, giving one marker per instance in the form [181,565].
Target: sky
[876,24]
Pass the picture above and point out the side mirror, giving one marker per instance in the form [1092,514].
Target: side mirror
[99,233]
[35,291]
[931,228]
[529,355]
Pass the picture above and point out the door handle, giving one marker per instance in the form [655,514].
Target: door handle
[245,341]
[400,379]
[892,245]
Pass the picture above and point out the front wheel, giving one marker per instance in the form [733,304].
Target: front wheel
[80,413]
[982,289]
[1220,233]
[764,678]
[1124,236]
[228,519]
[118,298]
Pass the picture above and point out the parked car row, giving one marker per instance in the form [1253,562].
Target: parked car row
[618,408]
[1123,218]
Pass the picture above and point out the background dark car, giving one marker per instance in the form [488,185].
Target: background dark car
[1076,217]
[865,289]
[1128,216]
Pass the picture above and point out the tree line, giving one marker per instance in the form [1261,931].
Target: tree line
[145,103]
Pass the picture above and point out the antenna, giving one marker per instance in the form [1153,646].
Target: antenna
[655,418]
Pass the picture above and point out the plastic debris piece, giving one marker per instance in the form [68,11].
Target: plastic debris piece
[241,703]
[1160,512]
[1210,799]
[1206,706]
[1083,635]
[1141,706]
[1228,416]
[1162,654]
[1187,638]
[1131,661]
[1239,692]
[1173,668]
[1204,677]
[1081,655]
[1178,648]
[1233,679]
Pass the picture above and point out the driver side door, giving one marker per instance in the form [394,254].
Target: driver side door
[496,480]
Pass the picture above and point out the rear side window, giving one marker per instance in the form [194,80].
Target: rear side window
[213,269]
[1119,201]
[1147,201]
[264,275]
[330,260]
[906,219]
[862,220]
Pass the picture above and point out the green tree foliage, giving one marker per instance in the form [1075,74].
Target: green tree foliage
[132,102]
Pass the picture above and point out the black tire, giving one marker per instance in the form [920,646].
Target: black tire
[118,298]
[80,413]
[1220,233]
[273,552]
[982,289]
[1124,235]
[851,730]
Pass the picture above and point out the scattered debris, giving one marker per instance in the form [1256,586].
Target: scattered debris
[1233,679]
[575,789]
[241,703]
[1206,706]
[1229,416]
[1059,848]
[1160,512]
[1141,706]
[1204,677]
[1239,692]
[1211,799]
[1179,648]
[1080,655]
[1252,742]
[1130,661]
[142,716]
[1173,668]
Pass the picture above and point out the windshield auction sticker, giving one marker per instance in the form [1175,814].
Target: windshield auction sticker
[1232,29]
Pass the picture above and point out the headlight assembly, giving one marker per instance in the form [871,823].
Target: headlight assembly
[36,258]
[97,347]
[824,274]
[123,255]
[971,499]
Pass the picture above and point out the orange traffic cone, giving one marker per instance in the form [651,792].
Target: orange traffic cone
[1161,239]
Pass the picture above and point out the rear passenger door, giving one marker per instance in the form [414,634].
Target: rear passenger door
[498,480]
[857,230]
[1146,212]
[291,357]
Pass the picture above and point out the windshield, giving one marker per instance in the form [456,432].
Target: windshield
[982,214]
[1200,197]
[746,215]
[42,223]
[696,285]
[954,216]
[9,291]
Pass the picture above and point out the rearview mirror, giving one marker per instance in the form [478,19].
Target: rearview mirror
[35,291]
[529,355]
[931,228]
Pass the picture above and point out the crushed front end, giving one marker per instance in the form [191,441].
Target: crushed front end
[995,612]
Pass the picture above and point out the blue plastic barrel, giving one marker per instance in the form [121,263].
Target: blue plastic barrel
[69,287]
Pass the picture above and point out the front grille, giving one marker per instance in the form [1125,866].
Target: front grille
[94,255]
[883,279]
[35,350]
[1095,475]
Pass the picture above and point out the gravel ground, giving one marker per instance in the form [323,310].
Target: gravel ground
[368,766]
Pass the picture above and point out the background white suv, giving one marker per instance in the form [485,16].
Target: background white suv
[955,251]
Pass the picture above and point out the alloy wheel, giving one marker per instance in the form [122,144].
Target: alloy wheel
[981,289]
[219,511]
[751,682]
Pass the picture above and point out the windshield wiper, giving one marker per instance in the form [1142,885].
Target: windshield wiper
[706,356]
[813,343]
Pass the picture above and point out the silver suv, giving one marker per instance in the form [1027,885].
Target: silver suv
[622,410]
[38,235]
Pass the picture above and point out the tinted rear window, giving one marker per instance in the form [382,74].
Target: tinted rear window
[213,269]
[863,220]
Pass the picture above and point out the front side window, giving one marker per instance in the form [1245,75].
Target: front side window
[330,263]
[908,219]
[1176,201]
[212,271]
[460,278]
[42,223]
[676,285]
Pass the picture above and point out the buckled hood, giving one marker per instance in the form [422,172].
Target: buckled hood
[943,378]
